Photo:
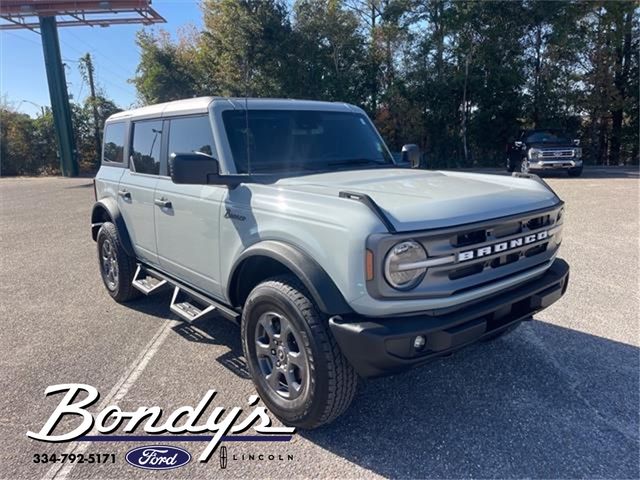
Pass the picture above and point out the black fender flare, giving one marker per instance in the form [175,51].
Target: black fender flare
[109,207]
[324,291]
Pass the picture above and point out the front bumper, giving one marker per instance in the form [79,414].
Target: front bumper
[555,164]
[380,346]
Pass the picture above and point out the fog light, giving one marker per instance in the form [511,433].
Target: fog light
[419,342]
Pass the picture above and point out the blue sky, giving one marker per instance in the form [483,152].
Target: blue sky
[115,56]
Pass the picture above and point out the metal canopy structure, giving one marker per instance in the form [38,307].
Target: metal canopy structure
[25,13]
[44,17]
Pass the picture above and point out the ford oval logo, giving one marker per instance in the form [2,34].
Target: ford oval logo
[158,457]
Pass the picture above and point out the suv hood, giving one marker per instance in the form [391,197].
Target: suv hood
[418,199]
[543,145]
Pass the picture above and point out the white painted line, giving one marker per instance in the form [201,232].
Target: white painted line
[117,393]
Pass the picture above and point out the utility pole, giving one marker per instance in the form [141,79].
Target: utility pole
[88,67]
[34,15]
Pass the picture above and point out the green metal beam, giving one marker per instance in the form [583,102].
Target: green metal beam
[59,96]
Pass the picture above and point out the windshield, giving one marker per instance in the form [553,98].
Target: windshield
[295,140]
[546,136]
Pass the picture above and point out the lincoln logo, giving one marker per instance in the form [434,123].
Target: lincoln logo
[223,457]
[502,246]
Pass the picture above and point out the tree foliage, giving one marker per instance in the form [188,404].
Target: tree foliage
[460,78]
[28,146]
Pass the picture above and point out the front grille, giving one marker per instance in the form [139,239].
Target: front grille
[496,232]
[557,153]
[496,262]
[479,253]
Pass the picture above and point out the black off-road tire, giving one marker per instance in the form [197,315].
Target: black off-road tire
[510,166]
[575,172]
[332,381]
[121,290]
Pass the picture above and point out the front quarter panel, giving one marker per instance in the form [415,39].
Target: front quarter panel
[331,231]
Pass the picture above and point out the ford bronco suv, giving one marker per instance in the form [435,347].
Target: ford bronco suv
[539,150]
[292,219]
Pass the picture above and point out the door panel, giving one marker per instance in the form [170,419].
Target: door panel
[136,202]
[187,233]
[136,192]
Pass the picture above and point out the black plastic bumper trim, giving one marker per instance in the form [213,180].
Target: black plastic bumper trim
[381,346]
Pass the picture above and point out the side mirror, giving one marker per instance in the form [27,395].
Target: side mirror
[194,169]
[411,154]
[576,142]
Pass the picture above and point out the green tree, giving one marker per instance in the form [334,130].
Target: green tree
[329,51]
[459,77]
[247,48]
[167,70]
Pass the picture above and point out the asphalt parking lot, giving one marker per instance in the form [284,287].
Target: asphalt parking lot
[558,398]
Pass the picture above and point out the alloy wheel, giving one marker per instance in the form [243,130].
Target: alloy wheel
[281,356]
[109,264]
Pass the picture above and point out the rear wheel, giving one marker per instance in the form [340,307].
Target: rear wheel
[295,362]
[116,266]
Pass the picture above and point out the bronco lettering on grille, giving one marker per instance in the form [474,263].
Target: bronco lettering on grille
[502,246]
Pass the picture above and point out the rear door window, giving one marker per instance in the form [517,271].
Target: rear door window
[145,147]
[113,146]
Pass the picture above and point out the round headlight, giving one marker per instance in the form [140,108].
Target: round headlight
[398,268]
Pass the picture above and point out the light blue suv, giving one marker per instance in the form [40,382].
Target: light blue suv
[292,219]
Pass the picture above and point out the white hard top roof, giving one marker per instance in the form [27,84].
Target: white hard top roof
[201,105]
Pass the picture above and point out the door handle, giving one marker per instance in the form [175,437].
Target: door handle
[124,194]
[162,202]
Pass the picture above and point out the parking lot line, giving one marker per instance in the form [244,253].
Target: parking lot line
[117,393]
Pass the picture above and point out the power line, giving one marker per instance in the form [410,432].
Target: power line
[130,89]
[80,52]
[122,84]
[21,38]
[95,50]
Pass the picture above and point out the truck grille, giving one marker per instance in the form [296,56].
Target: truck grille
[558,153]
[480,253]
[500,231]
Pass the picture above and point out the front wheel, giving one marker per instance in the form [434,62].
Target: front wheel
[575,172]
[524,165]
[117,268]
[296,364]
[510,166]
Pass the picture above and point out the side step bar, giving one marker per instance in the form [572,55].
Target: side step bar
[146,283]
[187,303]
[187,308]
